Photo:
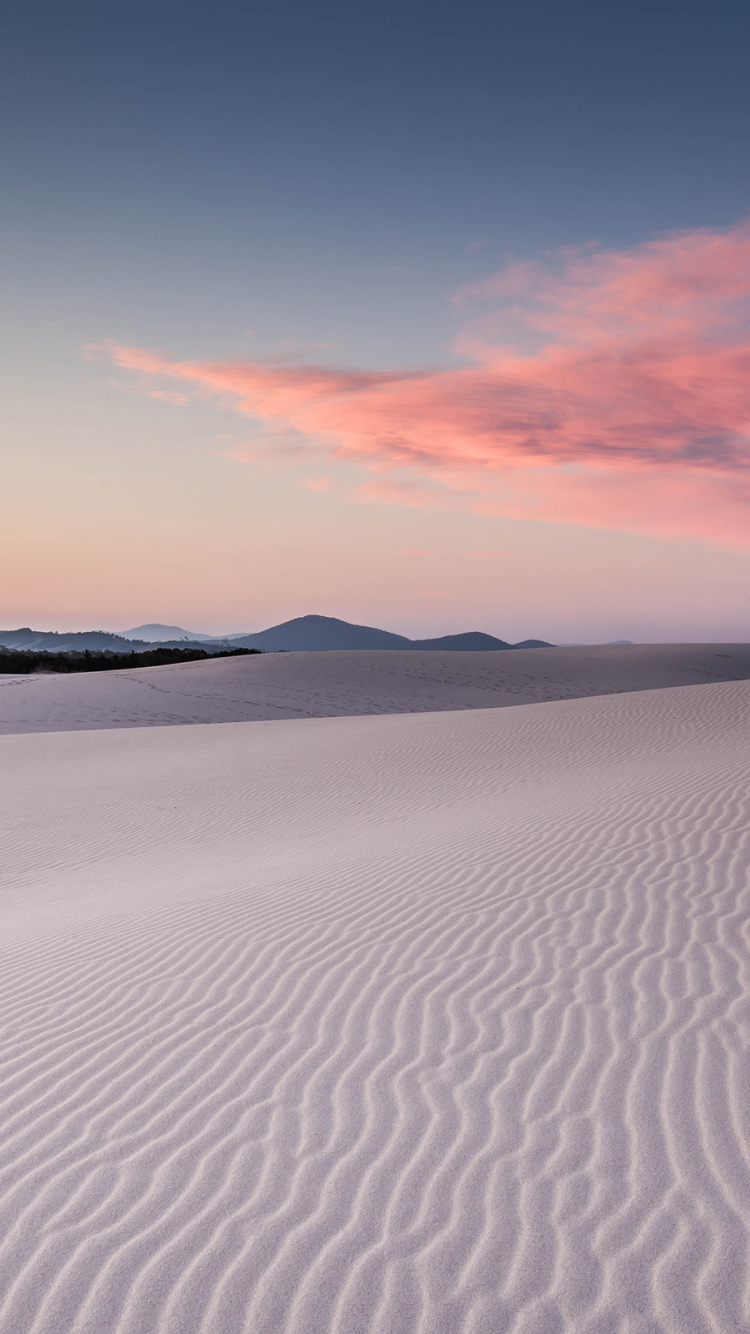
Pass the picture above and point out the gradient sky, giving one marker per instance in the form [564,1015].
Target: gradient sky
[429,316]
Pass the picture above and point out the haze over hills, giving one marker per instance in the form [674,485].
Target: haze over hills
[51,641]
[159,634]
[95,641]
[303,634]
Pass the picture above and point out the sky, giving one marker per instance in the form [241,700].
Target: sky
[427,316]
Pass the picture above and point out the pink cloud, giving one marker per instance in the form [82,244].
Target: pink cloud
[610,388]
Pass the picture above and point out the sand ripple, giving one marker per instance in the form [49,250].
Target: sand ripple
[421,1024]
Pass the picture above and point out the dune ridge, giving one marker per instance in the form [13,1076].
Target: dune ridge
[431,1023]
[354,682]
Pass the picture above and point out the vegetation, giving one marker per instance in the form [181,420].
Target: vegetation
[23,661]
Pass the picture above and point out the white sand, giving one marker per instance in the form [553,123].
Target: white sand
[431,1024]
[335,685]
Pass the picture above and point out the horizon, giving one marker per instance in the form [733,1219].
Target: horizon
[423,318]
[259,629]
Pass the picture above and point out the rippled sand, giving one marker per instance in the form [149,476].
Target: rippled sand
[428,1024]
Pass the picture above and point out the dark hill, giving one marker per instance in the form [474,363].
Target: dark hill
[304,634]
[473,641]
[50,641]
[307,634]
[93,641]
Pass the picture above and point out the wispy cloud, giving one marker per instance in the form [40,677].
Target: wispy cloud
[608,388]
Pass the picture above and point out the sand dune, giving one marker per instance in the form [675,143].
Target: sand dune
[330,685]
[410,1025]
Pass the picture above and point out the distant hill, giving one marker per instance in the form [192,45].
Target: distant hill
[472,642]
[154,633]
[50,641]
[316,633]
[304,634]
[159,634]
[309,633]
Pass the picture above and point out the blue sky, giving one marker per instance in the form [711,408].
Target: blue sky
[311,185]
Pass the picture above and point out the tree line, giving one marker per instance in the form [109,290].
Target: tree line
[25,661]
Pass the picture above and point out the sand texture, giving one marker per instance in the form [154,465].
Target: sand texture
[334,685]
[429,1024]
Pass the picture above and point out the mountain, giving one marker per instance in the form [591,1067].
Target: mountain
[158,634]
[306,633]
[50,641]
[302,635]
[473,642]
[315,633]
[154,633]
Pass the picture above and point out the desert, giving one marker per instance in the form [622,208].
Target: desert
[375,668]
[335,1000]
[346,683]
